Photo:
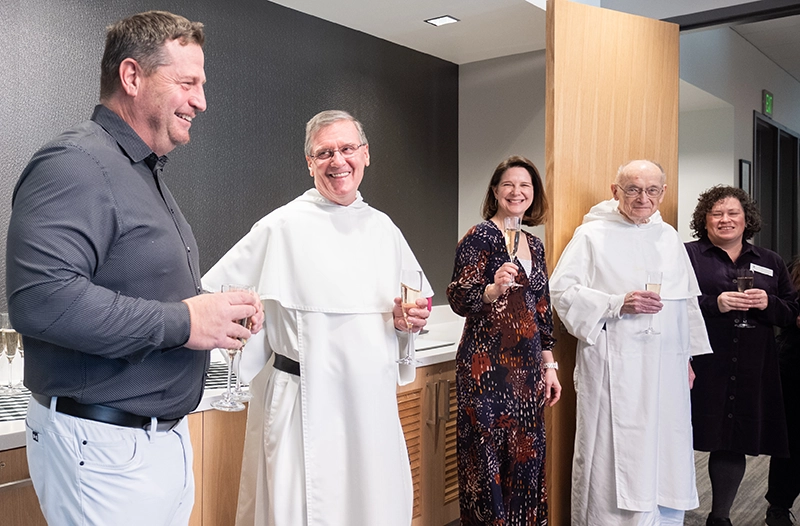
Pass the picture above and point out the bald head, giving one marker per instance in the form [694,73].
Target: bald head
[639,188]
[640,166]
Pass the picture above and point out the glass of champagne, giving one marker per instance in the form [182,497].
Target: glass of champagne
[511,231]
[410,290]
[228,402]
[239,394]
[652,284]
[744,281]
[10,342]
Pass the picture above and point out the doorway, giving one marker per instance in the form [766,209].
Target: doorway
[776,160]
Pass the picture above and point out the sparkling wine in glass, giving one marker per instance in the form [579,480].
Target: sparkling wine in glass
[228,402]
[410,291]
[744,281]
[652,284]
[9,339]
[511,232]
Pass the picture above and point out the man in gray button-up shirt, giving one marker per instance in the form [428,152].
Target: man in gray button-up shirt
[103,283]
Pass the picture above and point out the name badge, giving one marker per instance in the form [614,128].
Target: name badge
[761,270]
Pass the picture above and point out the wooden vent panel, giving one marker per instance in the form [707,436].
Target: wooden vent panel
[409,405]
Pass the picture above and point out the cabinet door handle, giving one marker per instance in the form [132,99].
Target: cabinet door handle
[14,484]
[444,387]
[433,405]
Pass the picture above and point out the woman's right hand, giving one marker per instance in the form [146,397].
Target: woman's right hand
[506,274]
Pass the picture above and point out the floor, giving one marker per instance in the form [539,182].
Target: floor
[748,509]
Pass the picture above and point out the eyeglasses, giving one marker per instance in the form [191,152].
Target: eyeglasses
[347,151]
[634,191]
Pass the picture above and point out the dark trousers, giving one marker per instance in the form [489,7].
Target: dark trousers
[784,474]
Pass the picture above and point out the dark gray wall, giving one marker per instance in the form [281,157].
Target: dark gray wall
[269,70]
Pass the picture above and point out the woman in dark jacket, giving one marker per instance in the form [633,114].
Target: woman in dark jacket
[784,474]
[737,408]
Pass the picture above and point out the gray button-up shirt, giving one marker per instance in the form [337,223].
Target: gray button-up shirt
[98,260]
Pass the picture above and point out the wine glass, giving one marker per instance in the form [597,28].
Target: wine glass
[652,284]
[511,232]
[228,402]
[21,352]
[410,290]
[239,394]
[10,339]
[744,281]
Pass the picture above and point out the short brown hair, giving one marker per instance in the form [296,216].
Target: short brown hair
[714,195]
[142,37]
[535,214]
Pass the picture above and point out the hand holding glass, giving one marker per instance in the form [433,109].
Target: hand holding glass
[652,284]
[410,291]
[228,402]
[744,281]
[511,232]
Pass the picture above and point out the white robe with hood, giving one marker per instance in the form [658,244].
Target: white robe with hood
[633,444]
[327,276]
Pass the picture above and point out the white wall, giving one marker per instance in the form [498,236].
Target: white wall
[724,64]
[705,158]
[501,113]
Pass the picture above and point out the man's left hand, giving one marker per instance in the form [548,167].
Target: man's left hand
[417,316]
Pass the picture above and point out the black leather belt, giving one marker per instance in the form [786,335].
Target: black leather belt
[287,365]
[103,413]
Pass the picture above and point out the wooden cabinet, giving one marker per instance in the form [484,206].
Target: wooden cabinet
[18,503]
[218,444]
[428,414]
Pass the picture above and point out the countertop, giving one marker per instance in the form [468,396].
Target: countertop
[437,345]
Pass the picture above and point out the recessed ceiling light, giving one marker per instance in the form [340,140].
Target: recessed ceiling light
[442,20]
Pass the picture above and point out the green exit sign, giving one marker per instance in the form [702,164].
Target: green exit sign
[766,103]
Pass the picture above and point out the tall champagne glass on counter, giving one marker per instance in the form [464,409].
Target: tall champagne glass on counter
[9,339]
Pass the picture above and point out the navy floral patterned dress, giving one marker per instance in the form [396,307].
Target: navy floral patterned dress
[500,383]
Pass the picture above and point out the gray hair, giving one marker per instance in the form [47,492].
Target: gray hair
[621,171]
[326,118]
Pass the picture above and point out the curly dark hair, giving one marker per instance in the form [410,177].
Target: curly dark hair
[714,195]
[535,213]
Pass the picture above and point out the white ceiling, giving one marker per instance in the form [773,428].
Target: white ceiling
[487,28]
[496,28]
[778,39]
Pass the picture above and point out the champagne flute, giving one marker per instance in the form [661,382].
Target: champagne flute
[744,281]
[511,232]
[652,284]
[228,402]
[410,290]
[21,352]
[239,394]
[10,339]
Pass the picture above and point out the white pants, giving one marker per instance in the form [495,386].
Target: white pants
[88,473]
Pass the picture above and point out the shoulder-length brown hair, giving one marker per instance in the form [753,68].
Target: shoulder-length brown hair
[715,194]
[536,213]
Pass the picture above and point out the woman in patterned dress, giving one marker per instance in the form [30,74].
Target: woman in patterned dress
[505,372]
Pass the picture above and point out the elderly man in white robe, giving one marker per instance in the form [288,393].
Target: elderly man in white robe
[633,463]
[324,443]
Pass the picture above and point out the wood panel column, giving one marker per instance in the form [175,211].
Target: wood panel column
[612,96]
